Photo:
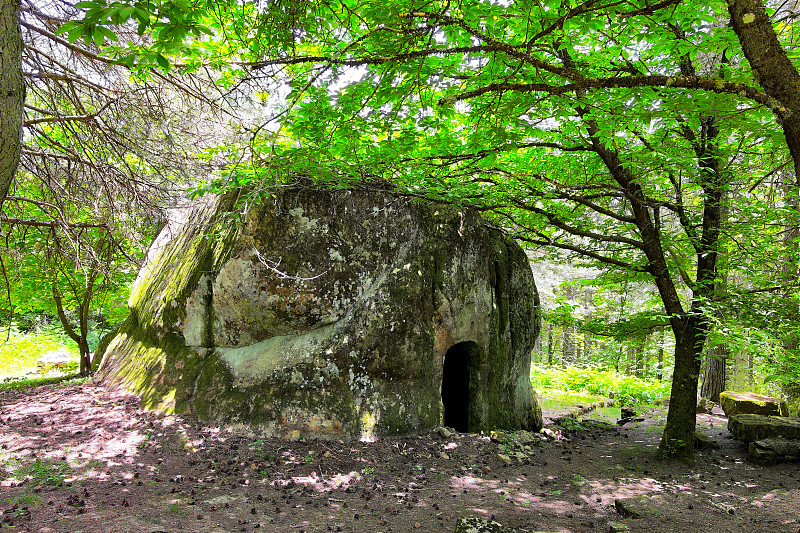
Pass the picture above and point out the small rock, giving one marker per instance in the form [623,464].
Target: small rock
[549,433]
[499,436]
[631,507]
[444,432]
[506,459]
[704,405]
[444,455]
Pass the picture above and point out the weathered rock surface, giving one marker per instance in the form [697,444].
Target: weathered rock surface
[705,442]
[575,411]
[332,313]
[734,403]
[771,439]
[751,428]
[774,450]
[704,405]
[637,506]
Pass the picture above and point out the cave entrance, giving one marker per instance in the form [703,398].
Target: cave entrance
[460,362]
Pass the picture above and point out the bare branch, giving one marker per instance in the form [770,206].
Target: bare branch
[50,223]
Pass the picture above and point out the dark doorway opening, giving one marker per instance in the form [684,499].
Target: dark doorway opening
[460,362]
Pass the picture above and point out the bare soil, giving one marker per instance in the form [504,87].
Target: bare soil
[126,470]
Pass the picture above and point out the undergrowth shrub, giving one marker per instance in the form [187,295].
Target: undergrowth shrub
[19,351]
[627,390]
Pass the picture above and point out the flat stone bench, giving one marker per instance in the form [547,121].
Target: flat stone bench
[738,403]
[577,410]
[770,439]
[751,428]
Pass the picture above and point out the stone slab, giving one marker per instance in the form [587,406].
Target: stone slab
[774,450]
[735,403]
[749,427]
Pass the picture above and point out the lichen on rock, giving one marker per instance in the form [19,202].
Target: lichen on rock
[331,313]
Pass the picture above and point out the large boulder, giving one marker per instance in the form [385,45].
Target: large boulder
[330,314]
[735,403]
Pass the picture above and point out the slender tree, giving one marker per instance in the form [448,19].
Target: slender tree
[12,93]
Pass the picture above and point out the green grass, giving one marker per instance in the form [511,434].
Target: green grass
[10,383]
[19,353]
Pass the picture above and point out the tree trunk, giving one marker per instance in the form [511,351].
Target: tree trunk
[12,93]
[771,66]
[566,346]
[678,439]
[82,335]
[549,344]
[715,376]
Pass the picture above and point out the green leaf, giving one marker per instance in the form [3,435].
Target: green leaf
[66,27]
[89,4]
[163,62]
[110,35]
[76,33]
[97,36]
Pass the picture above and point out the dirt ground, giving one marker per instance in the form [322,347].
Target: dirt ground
[125,470]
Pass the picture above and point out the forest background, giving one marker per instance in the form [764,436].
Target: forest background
[656,144]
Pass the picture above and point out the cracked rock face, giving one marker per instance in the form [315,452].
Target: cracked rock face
[332,313]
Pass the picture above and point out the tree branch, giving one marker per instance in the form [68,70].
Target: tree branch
[629,82]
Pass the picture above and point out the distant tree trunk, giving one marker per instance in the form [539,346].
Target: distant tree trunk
[791,344]
[660,369]
[12,93]
[587,345]
[715,376]
[630,359]
[549,344]
[566,346]
[641,356]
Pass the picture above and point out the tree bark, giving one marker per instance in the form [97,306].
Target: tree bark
[771,66]
[678,438]
[12,93]
[791,275]
[715,376]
